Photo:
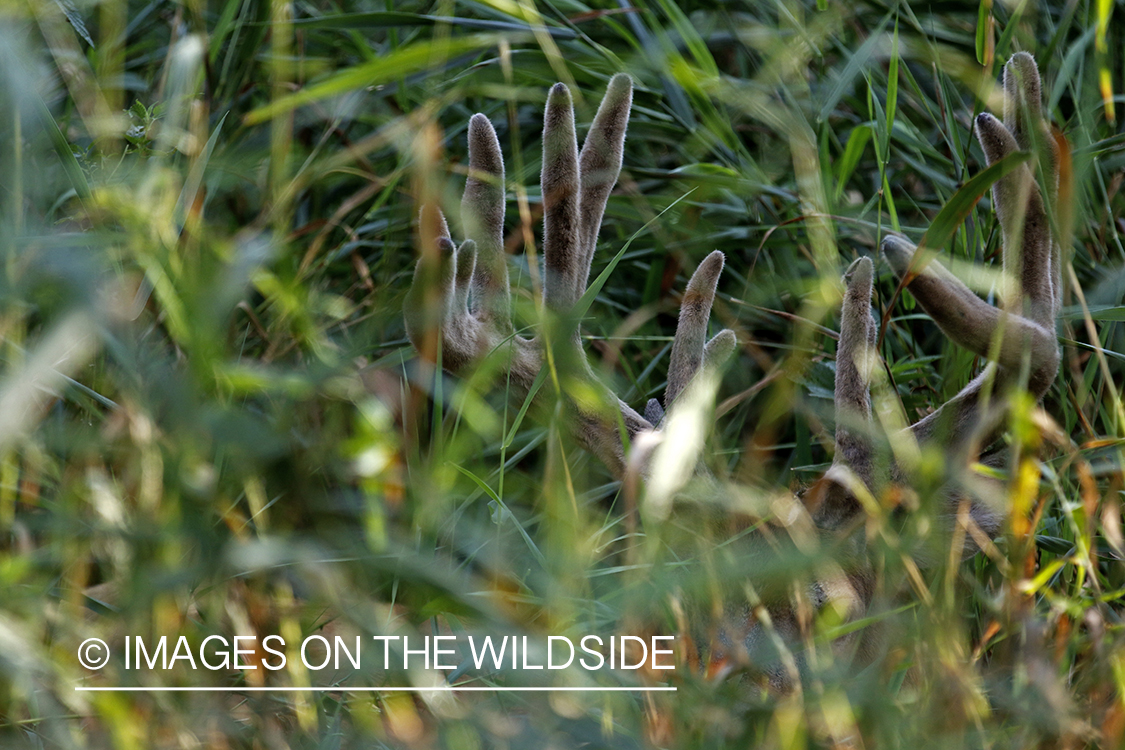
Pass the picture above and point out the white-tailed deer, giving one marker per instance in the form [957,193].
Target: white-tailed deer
[463,301]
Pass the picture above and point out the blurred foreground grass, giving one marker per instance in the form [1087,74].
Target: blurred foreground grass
[207,230]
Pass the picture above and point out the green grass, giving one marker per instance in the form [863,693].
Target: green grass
[207,227]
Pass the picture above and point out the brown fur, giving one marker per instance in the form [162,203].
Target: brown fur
[561,252]
[482,214]
[600,164]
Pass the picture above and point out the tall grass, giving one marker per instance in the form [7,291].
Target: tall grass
[211,421]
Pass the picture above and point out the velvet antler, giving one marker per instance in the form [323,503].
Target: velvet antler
[472,312]
[475,316]
[1025,323]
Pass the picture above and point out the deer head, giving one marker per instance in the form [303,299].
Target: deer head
[461,299]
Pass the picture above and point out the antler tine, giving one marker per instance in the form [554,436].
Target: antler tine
[1024,117]
[854,460]
[1022,99]
[463,279]
[695,312]
[718,350]
[440,296]
[482,212]
[432,224]
[600,165]
[971,322]
[559,180]
[853,392]
[420,313]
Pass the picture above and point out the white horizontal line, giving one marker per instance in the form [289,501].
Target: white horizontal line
[342,689]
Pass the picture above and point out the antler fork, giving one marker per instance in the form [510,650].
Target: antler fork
[473,308]
[1018,337]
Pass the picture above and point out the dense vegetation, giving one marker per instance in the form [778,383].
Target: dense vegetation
[211,421]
